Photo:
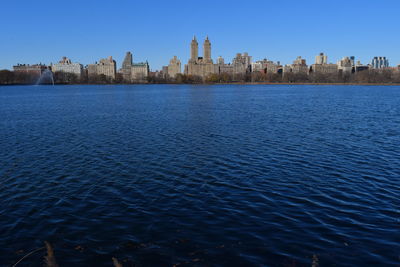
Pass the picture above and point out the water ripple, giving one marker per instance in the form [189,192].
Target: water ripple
[202,175]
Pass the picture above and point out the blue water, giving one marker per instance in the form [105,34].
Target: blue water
[200,175]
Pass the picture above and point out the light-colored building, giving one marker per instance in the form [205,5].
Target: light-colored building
[298,66]
[140,71]
[200,66]
[134,72]
[258,66]
[241,63]
[174,67]
[345,65]
[265,66]
[225,68]
[106,67]
[66,66]
[273,67]
[220,61]
[221,67]
[321,59]
[325,68]
[321,65]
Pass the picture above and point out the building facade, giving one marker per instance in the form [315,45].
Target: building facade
[345,65]
[325,68]
[126,67]
[299,66]
[174,67]
[200,66]
[106,67]
[321,59]
[140,72]
[380,63]
[322,66]
[34,70]
[134,72]
[241,63]
[66,66]
[265,66]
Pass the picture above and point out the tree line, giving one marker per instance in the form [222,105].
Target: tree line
[371,76]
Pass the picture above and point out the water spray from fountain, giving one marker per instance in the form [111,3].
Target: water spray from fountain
[46,76]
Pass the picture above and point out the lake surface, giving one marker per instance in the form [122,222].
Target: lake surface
[230,175]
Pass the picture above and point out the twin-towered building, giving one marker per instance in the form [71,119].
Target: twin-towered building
[204,66]
[200,66]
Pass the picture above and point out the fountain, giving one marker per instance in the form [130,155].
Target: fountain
[47,75]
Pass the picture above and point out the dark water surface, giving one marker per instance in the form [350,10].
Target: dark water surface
[201,175]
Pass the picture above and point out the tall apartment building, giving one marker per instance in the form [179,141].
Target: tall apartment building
[380,63]
[66,66]
[106,66]
[126,66]
[345,65]
[174,67]
[299,66]
[140,71]
[241,63]
[321,65]
[204,66]
[200,66]
[321,59]
[132,72]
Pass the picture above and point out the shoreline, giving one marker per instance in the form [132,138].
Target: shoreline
[233,83]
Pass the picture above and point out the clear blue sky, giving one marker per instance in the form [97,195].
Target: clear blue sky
[87,30]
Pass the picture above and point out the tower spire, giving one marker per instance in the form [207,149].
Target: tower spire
[207,50]
[194,50]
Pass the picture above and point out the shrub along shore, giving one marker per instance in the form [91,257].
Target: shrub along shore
[366,77]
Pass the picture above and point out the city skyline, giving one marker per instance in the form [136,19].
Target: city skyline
[157,31]
[201,67]
[195,52]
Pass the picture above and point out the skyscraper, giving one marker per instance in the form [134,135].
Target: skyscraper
[321,59]
[134,72]
[380,62]
[200,66]
[174,67]
[126,66]
[207,50]
[194,50]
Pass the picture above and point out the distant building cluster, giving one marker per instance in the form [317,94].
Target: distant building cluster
[201,66]
[242,64]
[105,68]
